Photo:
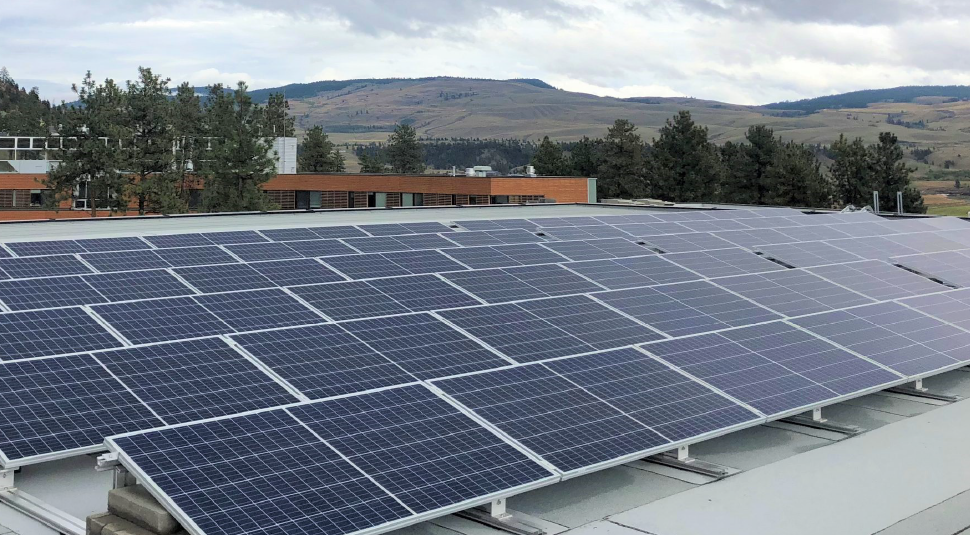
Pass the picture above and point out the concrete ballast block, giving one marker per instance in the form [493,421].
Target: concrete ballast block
[120,526]
[95,523]
[136,505]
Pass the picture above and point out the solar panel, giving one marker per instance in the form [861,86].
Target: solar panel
[775,368]
[563,423]
[873,247]
[255,252]
[424,346]
[125,261]
[864,229]
[317,248]
[878,280]
[494,237]
[389,229]
[389,244]
[53,292]
[206,472]
[793,292]
[427,227]
[40,248]
[753,237]
[951,307]
[584,233]
[560,222]
[51,332]
[225,278]
[665,400]
[61,404]
[424,241]
[538,330]
[625,219]
[807,254]
[950,267]
[813,233]
[100,245]
[161,320]
[908,225]
[194,380]
[234,237]
[513,284]
[724,262]
[597,249]
[420,448]
[322,360]
[653,229]
[4,253]
[47,266]
[258,309]
[926,242]
[196,256]
[497,224]
[682,243]
[687,308]
[178,240]
[526,254]
[349,300]
[714,225]
[947,223]
[418,262]
[959,236]
[763,223]
[338,232]
[683,215]
[633,272]
[895,336]
[136,285]
[423,292]
[294,272]
[365,266]
[289,234]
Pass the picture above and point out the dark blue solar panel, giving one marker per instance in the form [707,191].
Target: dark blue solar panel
[497,224]
[878,280]
[235,236]
[653,229]
[633,272]
[349,300]
[526,254]
[365,266]
[665,400]
[194,380]
[494,237]
[125,261]
[255,252]
[598,249]
[258,309]
[338,232]
[419,447]
[100,245]
[807,254]
[590,321]
[38,248]
[131,286]
[322,360]
[552,280]
[553,417]
[295,272]
[724,262]
[161,320]
[687,308]
[423,292]
[424,346]
[288,234]
[379,244]
[425,241]
[813,233]
[206,470]
[226,278]
[419,262]
[426,227]
[584,233]
[47,266]
[52,292]
[51,332]
[196,256]
[4,253]
[793,292]
[61,404]
[753,237]
[714,225]
[952,307]
[388,229]
[682,243]
[775,367]
[317,248]
[948,266]
[178,240]
[513,284]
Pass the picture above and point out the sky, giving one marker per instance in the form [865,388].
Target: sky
[737,51]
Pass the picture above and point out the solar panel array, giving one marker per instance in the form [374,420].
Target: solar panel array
[414,369]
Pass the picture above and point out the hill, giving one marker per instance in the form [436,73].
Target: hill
[861,99]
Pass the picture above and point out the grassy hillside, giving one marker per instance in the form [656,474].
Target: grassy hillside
[860,99]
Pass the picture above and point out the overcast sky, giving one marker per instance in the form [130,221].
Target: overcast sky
[739,51]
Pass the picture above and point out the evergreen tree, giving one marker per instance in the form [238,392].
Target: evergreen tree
[318,154]
[96,129]
[795,178]
[187,130]
[761,149]
[240,159]
[851,172]
[549,159]
[274,119]
[890,174]
[584,157]
[22,112]
[372,164]
[684,166]
[150,157]
[621,171]
[404,152]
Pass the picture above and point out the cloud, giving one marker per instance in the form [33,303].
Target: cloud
[850,12]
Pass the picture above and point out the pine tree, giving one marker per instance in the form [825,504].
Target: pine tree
[317,154]
[890,174]
[851,172]
[761,149]
[684,166]
[549,159]
[584,157]
[150,150]
[274,119]
[187,130]
[795,178]
[621,171]
[404,152]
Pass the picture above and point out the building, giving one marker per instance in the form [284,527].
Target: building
[598,370]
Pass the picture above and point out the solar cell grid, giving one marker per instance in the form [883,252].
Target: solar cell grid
[653,229]
[952,307]
[224,278]
[303,486]
[419,447]
[807,254]
[878,280]
[98,245]
[497,224]
[389,229]
[195,256]
[895,336]
[494,237]
[872,247]
[318,248]
[556,419]
[289,234]
[323,360]
[46,266]
[258,309]
[714,225]
[296,272]
[4,253]
[552,280]
[504,284]
[178,240]
[597,249]
[45,248]
[194,380]
[161,320]
[813,233]
[682,243]
[424,346]
[961,237]
[793,292]
[632,272]
[683,215]
[349,300]
[428,227]
[51,332]
[665,400]
[765,223]
[235,236]
[926,242]
[952,267]
[724,262]
[687,308]
[125,261]
[365,266]
[423,292]
[527,254]
[136,285]
[419,262]
[584,233]
[390,244]
[61,404]
[52,292]
[861,229]
[753,237]
[338,232]
[947,223]
[255,252]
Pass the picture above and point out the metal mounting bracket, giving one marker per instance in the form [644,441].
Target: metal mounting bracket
[499,518]
[815,421]
[7,479]
[681,460]
[917,390]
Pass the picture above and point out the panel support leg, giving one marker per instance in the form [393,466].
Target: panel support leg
[681,460]
[497,509]
[6,479]
[497,516]
[816,421]
[917,390]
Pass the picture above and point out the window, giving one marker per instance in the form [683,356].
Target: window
[302,200]
[500,199]
[380,200]
[316,199]
[36,197]
[407,199]
[419,199]
[350,199]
